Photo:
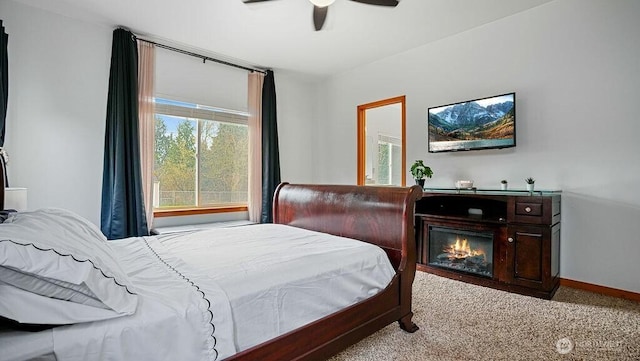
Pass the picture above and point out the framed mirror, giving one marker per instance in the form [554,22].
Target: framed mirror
[381,142]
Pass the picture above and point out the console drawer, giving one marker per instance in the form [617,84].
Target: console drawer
[528,209]
[531,210]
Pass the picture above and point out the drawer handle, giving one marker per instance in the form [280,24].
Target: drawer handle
[527,209]
[510,239]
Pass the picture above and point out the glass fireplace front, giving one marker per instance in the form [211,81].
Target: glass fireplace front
[461,250]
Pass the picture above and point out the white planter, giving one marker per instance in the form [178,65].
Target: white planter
[503,186]
[530,187]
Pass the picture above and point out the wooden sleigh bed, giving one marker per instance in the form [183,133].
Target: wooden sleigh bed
[382,216]
[378,215]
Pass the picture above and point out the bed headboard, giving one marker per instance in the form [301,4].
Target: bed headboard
[380,215]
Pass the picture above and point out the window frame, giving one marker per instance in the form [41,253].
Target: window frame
[362,136]
[199,113]
[200,210]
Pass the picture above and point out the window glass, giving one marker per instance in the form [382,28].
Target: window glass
[389,161]
[384,163]
[201,156]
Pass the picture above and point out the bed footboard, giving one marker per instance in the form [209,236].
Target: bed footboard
[380,215]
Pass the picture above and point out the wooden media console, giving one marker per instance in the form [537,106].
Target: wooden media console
[509,240]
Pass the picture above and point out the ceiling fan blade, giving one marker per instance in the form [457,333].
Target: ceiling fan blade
[253,1]
[379,2]
[319,15]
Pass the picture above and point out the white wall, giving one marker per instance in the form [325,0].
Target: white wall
[296,107]
[58,81]
[574,66]
[58,84]
[188,79]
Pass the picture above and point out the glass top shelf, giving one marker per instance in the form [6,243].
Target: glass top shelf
[506,192]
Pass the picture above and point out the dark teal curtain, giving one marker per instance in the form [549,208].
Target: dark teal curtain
[270,153]
[122,200]
[4,91]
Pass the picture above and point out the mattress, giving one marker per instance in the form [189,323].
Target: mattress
[278,278]
[205,295]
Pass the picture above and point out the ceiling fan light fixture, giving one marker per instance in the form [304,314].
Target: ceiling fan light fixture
[322,3]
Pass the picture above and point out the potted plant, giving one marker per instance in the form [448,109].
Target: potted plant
[419,171]
[530,183]
[504,184]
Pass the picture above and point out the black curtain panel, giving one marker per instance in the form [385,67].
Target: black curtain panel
[270,153]
[4,81]
[122,200]
[4,92]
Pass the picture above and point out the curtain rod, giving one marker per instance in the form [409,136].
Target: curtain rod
[203,57]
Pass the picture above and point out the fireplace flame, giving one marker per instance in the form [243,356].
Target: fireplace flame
[461,250]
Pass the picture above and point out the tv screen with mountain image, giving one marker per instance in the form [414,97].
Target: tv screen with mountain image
[484,123]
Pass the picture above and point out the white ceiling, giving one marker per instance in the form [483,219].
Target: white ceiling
[279,34]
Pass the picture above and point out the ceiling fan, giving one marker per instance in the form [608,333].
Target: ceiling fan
[320,8]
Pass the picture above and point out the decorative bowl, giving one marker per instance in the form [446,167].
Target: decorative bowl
[464,184]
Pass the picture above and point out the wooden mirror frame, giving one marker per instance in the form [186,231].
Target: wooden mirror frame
[362,136]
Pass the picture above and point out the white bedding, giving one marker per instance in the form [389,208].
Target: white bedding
[206,295]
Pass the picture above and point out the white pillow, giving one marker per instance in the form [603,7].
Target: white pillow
[31,308]
[50,287]
[56,254]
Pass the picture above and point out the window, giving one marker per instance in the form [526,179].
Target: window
[389,156]
[381,142]
[201,157]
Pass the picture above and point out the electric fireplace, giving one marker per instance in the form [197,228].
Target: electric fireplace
[461,250]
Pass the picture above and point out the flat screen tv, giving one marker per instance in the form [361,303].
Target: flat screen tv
[485,123]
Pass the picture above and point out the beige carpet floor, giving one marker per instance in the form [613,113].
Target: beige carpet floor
[459,321]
